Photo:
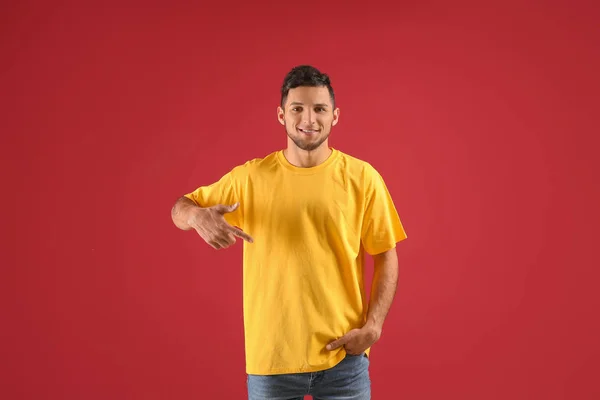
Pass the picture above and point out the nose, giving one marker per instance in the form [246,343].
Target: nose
[309,116]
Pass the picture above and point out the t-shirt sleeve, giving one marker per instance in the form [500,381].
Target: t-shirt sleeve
[226,191]
[381,227]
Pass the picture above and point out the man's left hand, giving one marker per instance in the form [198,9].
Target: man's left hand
[357,341]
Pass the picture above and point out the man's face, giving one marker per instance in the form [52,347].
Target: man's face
[308,116]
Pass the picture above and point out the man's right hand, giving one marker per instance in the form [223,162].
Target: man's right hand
[211,226]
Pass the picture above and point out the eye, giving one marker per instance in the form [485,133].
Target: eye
[319,109]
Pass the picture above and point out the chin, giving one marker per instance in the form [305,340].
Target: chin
[309,146]
[307,143]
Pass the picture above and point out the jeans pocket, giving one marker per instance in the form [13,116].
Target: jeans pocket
[354,355]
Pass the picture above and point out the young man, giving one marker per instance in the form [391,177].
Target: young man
[308,214]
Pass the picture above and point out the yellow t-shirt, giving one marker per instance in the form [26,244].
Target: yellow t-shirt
[303,275]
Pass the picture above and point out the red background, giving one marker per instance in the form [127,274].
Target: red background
[482,117]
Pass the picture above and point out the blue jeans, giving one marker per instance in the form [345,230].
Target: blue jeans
[348,380]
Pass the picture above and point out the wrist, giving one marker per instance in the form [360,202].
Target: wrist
[191,216]
[374,327]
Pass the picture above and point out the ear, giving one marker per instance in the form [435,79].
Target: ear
[280,115]
[336,116]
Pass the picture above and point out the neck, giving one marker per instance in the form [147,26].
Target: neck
[306,159]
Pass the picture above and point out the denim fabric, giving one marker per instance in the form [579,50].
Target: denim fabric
[348,380]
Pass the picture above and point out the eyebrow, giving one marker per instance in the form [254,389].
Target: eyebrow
[297,103]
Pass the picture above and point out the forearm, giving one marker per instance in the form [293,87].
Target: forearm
[383,288]
[180,213]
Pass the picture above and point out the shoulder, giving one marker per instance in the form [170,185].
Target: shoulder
[359,167]
[254,165]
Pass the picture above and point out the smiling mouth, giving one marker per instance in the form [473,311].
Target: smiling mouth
[308,131]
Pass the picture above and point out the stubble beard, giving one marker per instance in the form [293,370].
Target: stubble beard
[307,146]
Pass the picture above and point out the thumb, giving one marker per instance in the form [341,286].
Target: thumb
[227,209]
[339,342]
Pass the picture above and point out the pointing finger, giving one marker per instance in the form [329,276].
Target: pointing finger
[339,342]
[241,234]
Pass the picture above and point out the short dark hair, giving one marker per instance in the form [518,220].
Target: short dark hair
[305,75]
